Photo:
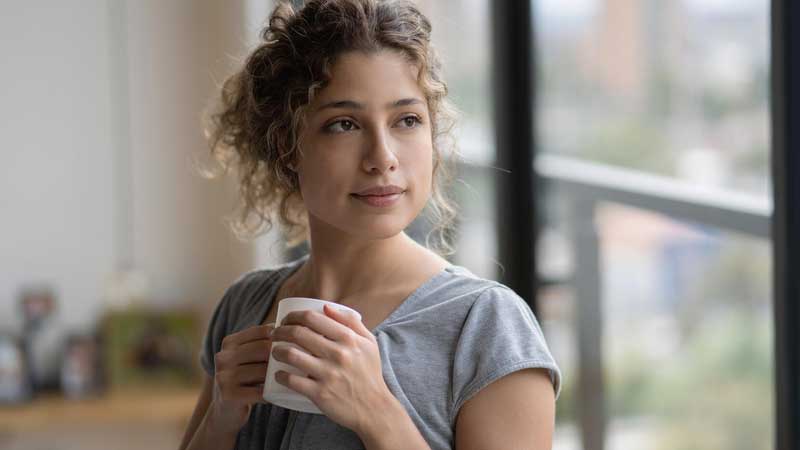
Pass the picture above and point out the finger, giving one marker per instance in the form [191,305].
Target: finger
[247,335]
[307,339]
[348,319]
[251,374]
[320,331]
[300,359]
[252,352]
[303,385]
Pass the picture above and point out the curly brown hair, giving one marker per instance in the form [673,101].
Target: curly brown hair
[256,126]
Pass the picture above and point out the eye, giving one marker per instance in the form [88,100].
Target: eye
[340,126]
[410,121]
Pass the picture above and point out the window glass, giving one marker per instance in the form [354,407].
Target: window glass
[678,88]
[466,61]
[684,323]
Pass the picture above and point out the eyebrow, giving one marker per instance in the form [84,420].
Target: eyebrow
[350,104]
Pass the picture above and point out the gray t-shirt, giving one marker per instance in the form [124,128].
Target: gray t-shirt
[453,336]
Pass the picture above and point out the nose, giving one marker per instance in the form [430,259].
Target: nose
[379,155]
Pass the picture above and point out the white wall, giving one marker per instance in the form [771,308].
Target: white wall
[55,177]
[99,121]
[176,50]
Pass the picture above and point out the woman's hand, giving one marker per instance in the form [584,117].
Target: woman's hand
[343,364]
[240,370]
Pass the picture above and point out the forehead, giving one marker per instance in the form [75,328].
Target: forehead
[371,78]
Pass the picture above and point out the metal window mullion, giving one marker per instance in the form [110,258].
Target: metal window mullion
[514,100]
[786,220]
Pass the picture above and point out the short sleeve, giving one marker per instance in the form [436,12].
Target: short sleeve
[500,335]
[219,325]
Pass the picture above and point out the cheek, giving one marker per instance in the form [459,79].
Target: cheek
[423,158]
[419,170]
[325,183]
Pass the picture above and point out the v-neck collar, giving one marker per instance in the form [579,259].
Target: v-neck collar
[291,267]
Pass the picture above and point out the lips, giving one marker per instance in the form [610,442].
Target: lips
[379,200]
[380,191]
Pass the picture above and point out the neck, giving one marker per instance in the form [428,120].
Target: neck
[343,271]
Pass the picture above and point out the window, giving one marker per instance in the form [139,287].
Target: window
[653,134]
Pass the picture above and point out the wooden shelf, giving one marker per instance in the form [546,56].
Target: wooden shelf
[141,406]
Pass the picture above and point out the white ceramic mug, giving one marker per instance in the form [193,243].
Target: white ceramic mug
[274,392]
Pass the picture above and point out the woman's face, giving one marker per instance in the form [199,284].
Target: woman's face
[370,126]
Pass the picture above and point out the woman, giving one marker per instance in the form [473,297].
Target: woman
[336,122]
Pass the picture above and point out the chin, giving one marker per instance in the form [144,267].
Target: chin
[366,226]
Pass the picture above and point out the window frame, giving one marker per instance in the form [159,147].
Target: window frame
[785,107]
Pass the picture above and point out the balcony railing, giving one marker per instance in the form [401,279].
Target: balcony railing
[587,181]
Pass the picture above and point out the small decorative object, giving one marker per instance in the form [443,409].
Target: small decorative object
[42,337]
[143,347]
[15,384]
[81,373]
